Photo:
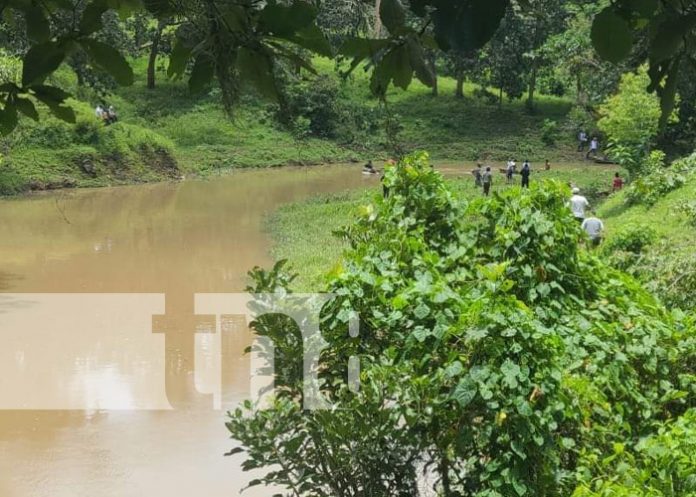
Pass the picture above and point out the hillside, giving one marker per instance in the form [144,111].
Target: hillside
[168,133]
[667,261]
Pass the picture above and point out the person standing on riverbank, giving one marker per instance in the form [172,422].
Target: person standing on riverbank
[582,140]
[510,171]
[525,173]
[478,175]
[594,148]
[487,180]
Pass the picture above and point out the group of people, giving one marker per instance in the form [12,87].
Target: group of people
[592,225]
[106,114]
[583,139]
[579,205]
[484,177]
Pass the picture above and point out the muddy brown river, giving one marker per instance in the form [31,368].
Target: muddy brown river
[106,389]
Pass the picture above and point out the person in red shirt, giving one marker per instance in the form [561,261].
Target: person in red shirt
[618,183]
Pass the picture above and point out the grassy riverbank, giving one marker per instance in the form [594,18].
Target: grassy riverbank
[168,133]
[298,229]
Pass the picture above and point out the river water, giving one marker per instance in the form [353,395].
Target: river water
[95,400]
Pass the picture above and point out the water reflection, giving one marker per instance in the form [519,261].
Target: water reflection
[166,242]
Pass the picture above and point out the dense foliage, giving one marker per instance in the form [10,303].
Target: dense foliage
[630,119]
[657,180]
[495,353]
[256,41]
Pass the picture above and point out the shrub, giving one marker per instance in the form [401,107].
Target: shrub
[661,465]
[633,238]
[688,210]
[493,350]
[659,180]
[630,119]
[549,132]
[329,111]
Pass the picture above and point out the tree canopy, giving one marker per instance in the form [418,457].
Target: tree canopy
[248,41]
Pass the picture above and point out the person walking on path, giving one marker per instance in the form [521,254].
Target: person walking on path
[594,148]
[582,140]
[617,184]
[487,180]
[594,227]
[525,172]
[478,175]
[578,204]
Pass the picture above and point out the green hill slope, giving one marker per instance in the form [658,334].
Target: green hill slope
[667,262]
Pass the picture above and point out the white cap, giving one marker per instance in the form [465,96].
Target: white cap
[576,190]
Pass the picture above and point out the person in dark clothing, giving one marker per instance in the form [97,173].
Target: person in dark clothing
[525,172]
[478,175]
[487,179]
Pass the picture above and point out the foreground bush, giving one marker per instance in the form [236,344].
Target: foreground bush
[495,353]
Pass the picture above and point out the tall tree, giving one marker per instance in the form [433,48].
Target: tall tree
[154,51]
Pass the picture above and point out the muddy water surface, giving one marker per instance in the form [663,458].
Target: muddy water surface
[93,400]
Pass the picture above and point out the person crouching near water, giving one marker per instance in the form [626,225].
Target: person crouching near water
[369,168]
[594,227]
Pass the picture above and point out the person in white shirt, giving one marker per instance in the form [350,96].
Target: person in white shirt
[594,148]
[594,227]
[578,204]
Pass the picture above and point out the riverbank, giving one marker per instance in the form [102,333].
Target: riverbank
[167,133]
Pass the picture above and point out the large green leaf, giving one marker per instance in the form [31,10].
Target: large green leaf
[286,20]
[312,38]
[91,20]
[8,118]
[26,107]
[40,61]
[466,25]
[110,60]
[52,93]
[669,38]
[393,15]
[202,73]
[611,36]
[38,28]
[178,59]
[419,63]
[256,68]
[53,98]
[668,93]
[465,392]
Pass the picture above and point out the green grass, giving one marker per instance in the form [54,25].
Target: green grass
[662,217]
[299,229]
[201,140]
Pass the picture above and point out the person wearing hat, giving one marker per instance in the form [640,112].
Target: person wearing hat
[578,204]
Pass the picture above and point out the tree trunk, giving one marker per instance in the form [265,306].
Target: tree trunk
[378,19]
[433,66]
[500,99]
[459,93]
[532,86]
[154,51]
